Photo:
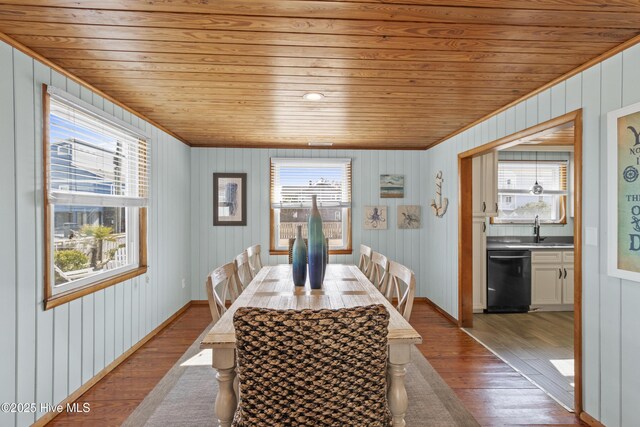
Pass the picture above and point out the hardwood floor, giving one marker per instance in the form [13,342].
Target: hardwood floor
[121,391]
[494,393]
[490,389]
[532,343]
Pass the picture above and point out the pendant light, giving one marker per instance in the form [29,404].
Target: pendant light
[537,188]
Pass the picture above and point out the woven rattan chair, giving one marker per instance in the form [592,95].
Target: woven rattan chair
[244,269]
[402,286]
[378,272]
[223,282]
[365,258]
[306,242]
[255,262]
[312,367]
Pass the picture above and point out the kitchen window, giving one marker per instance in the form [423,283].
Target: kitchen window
[96,194]
[516,203]
[293,182]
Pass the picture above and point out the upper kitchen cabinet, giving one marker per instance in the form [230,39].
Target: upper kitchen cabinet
[485,185]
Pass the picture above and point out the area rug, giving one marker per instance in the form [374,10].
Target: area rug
[186,395]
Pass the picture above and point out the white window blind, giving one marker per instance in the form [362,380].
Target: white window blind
[517,177]
[294,181]
[94,159]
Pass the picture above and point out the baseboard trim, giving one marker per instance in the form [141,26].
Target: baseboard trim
[440,310]
[590,420]
[49,416]
[199,302]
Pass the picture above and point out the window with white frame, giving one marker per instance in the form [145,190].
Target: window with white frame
[516,202]
[96,193]
[293,182]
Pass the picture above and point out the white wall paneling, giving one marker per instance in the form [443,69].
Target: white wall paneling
[611,319]
[215,246]
[47,355]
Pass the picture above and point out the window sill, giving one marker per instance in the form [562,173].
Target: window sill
[331,252]
[73,294]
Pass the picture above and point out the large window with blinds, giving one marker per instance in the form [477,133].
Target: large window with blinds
[516,202]
[96,192]
[293,182]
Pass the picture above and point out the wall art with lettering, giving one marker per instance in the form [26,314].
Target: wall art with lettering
[624,192]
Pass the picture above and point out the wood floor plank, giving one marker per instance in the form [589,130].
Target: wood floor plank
[536,344]
[490,389]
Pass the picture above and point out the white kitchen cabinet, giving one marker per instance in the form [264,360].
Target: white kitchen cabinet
[490,182]
[485,185]
[551,277]
[567,285]
[479,265]
[546,284]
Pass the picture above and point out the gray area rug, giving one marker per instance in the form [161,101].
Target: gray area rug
[186,395]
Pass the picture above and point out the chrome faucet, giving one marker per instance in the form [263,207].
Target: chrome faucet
[536,229]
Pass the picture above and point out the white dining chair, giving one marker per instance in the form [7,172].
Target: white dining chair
[401,284]
[255,262]
[244,269]
[365,258]
[377,273]
[221,284]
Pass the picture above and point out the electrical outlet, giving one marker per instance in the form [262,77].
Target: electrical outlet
[184,283]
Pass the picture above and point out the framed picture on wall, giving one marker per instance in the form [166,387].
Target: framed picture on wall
[391,186]
[623,136]
[409,217]
[375,218]
[229,199]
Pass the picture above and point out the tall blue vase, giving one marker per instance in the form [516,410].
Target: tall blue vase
[299,259]
[316,247]
[325,259]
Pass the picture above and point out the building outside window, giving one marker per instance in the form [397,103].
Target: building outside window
[96,196]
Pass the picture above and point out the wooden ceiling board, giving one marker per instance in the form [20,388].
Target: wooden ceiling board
[396,74]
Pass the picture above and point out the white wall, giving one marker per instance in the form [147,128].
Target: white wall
[214,246]
[46,355]
[527,230]
[611,327]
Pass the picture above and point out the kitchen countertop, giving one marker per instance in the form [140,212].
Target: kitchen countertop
[495,243]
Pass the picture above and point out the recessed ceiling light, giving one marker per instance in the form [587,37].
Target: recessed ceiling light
[321,144]
[313,96]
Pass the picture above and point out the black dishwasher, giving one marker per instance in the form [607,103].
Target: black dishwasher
[508,281]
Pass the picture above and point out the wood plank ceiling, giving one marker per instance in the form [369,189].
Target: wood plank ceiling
[395,74]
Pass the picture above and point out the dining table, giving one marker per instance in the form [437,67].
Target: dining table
[344,286]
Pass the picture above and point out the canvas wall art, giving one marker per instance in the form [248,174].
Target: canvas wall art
[409,216]
[624,192]
[375,218]
[391,186]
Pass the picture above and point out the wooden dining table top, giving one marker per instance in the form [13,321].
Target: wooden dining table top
[344,286]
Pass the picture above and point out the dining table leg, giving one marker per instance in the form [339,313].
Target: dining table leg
[226,402]
[399,356]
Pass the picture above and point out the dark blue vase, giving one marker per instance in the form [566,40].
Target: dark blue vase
[299,259]
[325,260]
[316,247]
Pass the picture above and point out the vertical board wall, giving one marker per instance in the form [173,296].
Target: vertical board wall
[611,324]
[214,246]
[47,355]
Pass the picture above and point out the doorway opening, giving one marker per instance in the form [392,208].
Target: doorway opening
[520,250]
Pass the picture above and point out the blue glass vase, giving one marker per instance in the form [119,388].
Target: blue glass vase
[316,246]
[299,259]
[325,260]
